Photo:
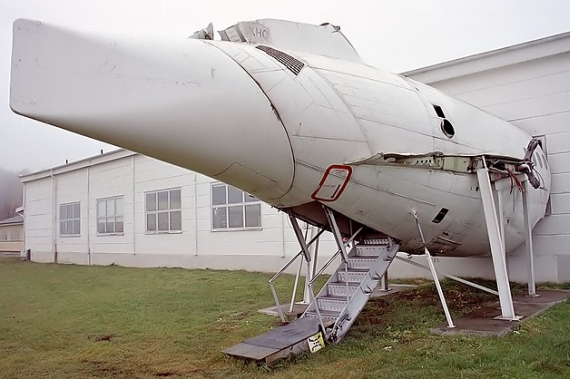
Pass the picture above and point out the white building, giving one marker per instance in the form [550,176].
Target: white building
[127,209]
[11,235]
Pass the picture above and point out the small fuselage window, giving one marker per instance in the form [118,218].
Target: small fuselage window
[446,125]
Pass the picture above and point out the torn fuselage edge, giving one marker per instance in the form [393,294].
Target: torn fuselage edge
[465,164]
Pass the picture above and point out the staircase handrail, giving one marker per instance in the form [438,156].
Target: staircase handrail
[331,259]
[280,272]
[272,285]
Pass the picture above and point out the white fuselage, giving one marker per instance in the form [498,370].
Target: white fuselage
[290,128]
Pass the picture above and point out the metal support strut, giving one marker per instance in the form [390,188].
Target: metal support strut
[300,237]
[528,242]
[496,243]
[336,232]
[434,273]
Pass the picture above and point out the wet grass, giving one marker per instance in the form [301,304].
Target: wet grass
[114,322]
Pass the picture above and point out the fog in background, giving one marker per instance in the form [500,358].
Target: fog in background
[10,193]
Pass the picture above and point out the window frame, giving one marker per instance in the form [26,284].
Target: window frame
[156,211]
[115,216]
[227,205]
[68,219]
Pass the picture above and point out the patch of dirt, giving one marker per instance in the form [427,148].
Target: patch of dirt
[101,337]
[460,299]
[166,374]
[394,310]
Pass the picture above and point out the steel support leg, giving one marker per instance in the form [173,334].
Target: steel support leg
[300,237]
[497,248]
[501,217]
[528,243]
[294,294]
[304,246]
[384,286]
[434,274]
[439,290]
[314,251]
[336,232]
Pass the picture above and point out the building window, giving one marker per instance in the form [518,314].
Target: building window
[69,219]
[15,235]
[163,211]
[3,235]
[110,216]
[234,209]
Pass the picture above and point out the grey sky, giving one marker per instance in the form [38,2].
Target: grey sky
[393,35]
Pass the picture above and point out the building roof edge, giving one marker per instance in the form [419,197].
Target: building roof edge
[435,72]
[79,164]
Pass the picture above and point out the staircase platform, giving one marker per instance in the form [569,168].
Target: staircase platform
[277,343]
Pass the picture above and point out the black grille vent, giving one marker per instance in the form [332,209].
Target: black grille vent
[294,65]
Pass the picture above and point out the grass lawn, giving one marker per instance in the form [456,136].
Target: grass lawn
[61,321]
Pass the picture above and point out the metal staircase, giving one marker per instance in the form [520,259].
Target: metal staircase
[348,289]
[332,312]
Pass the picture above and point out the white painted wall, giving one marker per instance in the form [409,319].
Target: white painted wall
[534,94]
[39,223]
[131,175]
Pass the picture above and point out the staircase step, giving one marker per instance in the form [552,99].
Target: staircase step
[340,288]
[376,241]
[326,315]
[370,250]
[331,303]
[361,262]
[356,276]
